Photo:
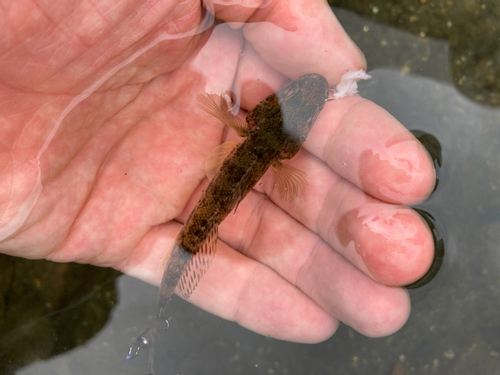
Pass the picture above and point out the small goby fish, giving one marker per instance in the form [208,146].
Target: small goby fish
[275,130]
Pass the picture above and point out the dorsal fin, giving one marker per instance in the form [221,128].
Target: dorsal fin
[199,265]
[217,156]
[290,181]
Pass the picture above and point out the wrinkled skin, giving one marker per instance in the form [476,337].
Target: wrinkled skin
[126,166]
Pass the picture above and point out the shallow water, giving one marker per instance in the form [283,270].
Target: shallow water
[454,325]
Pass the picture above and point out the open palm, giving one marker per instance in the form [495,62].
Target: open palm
[103,150]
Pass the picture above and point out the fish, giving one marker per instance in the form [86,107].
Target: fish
[275,130]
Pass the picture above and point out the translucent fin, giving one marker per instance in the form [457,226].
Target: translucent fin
[217,106]
[199,264]
[217,156]
[166,257]
[290,181]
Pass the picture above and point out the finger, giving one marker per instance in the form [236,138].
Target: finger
[366,145]
[296,38]
[256,297]
[391,244]
[240,289]
[267,234]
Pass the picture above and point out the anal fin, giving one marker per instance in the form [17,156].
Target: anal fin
[199,265]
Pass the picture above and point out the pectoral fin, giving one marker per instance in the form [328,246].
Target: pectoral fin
[199,265]
[290,181]
[217,156]
[217,106]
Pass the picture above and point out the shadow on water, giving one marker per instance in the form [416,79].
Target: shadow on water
[454,325]
[433,146]
[48,310]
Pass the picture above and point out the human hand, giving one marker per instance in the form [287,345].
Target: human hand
[126,163]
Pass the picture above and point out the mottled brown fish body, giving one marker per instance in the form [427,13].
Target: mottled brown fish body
[277,127]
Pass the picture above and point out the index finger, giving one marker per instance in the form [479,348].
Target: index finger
[363,143]
[295,38]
